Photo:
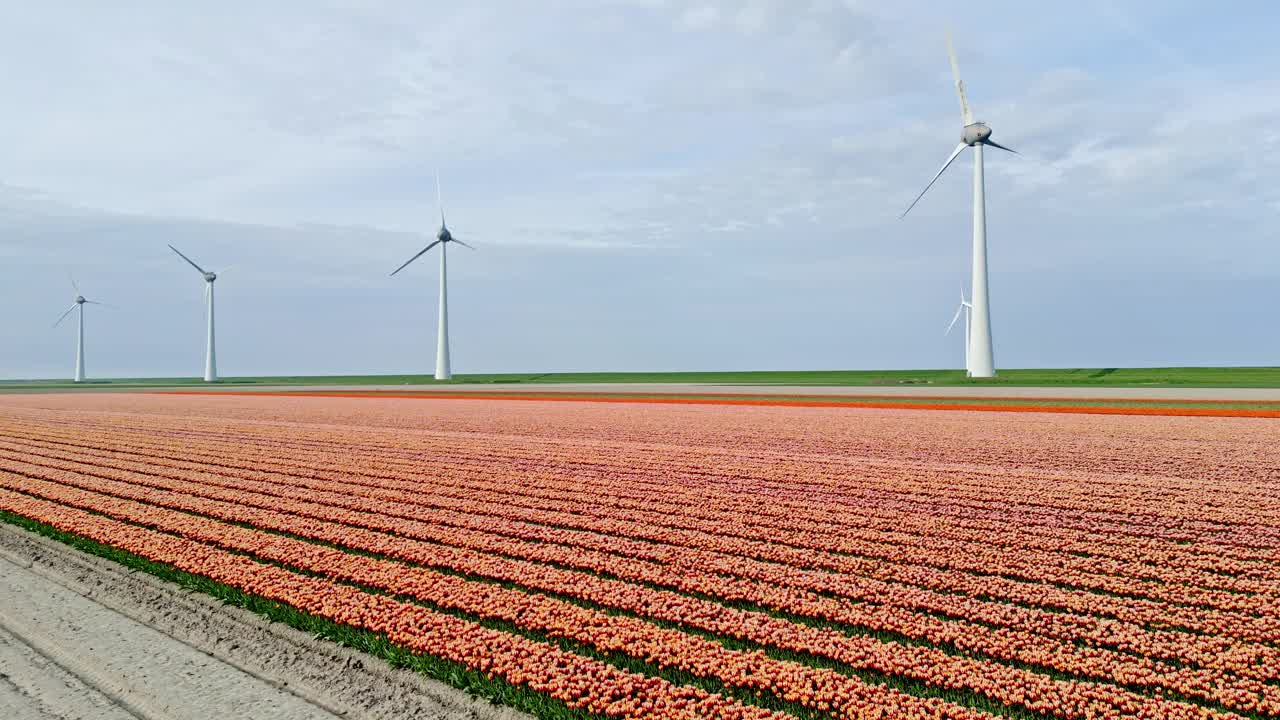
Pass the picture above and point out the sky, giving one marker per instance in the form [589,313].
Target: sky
[649,185]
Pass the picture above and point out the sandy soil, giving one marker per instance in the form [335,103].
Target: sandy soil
[32,686]
[81,637]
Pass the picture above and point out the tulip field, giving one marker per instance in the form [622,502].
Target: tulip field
[641,560]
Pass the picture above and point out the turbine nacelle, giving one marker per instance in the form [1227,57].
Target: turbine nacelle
[210,277]
[443,235]
[77,303]
[975,133]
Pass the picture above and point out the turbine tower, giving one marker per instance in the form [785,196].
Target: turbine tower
[967,308]
[443,238]
[210,359]
[78,307]
[981,363]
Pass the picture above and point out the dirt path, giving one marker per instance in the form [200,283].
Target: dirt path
[943,391]
[81,637]
[32,686]
[1060,405]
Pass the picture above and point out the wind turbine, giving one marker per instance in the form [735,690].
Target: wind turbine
[443,238]
[210,360]
[967,308]
[78,307]
[981,362]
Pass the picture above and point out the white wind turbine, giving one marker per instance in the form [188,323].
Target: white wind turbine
[78,307]
[967,308]
[981,363]
[443,238]
[210,359]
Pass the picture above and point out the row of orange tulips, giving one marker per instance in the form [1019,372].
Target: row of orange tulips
[811,687]
[1248,660]
[1154,451]
[1167,580]
[1027,516]
[1073,567]
[996,531]
[1239,693]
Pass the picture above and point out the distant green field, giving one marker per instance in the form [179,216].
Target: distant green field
[1256,377]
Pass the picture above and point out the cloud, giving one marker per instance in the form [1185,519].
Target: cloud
[699,17]
[743,162]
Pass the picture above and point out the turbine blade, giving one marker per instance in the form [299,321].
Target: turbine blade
[954,318]
[461,243]
[74,284]
[65,314]
[105,305]
[415,257]
[965,113]
[954,154]
[184,257]
[439,200]
[993,143]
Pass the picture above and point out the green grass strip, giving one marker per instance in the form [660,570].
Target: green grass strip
[1247,377]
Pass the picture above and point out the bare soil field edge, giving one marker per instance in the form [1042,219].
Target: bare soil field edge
[288,671]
